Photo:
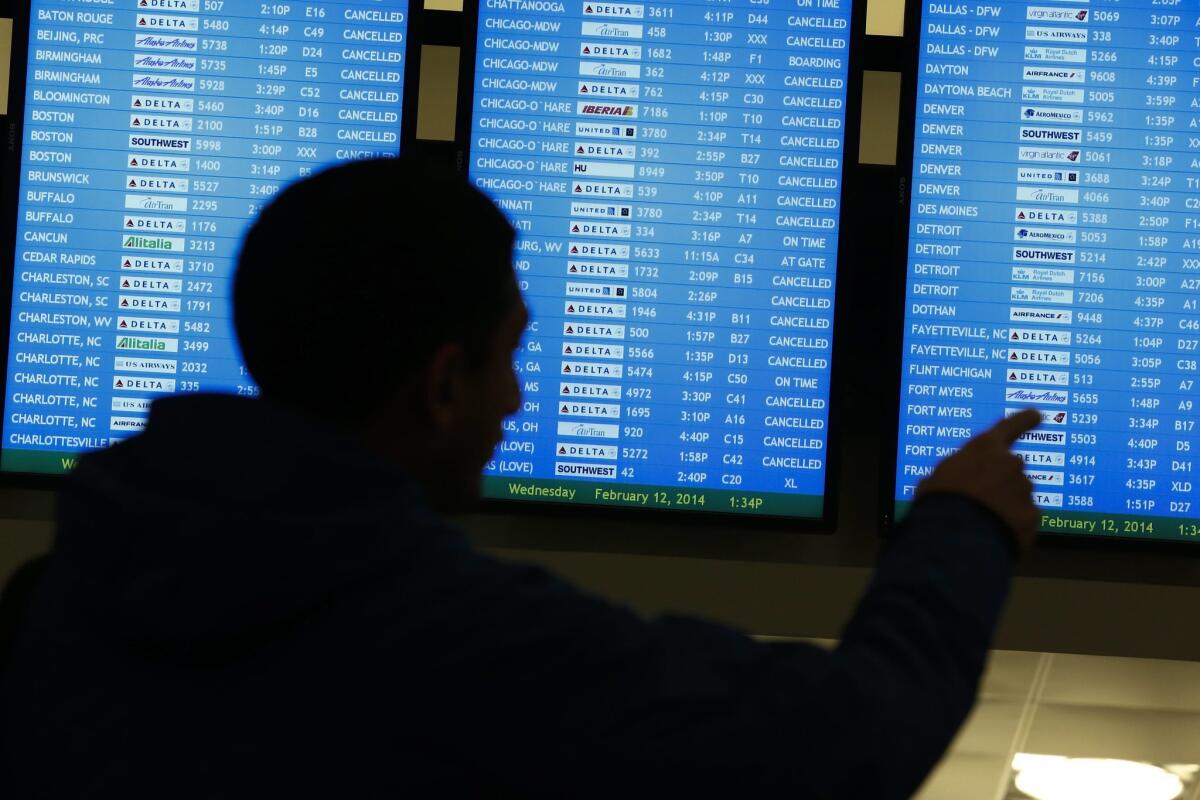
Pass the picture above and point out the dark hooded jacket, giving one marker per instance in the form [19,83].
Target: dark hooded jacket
[240,604]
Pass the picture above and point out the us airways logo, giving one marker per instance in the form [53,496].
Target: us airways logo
[125,364]
[154,41]
[631,52]
[1039,34]
[168,63]
[165,22]
[1052,74]
[626,10]
[1057,397]
[605,110]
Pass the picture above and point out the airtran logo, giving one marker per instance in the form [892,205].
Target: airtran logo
[598,69]
[1041,194]
[588,430]
[612,30]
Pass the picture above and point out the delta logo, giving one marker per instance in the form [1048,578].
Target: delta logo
[144,102]
[170,5]
[164,163]
[614,10]
[164,22]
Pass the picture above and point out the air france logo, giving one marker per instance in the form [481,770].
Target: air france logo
[1052,75]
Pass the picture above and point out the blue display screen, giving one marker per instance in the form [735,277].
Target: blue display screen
[154,130]
[1054,254]
[674,173]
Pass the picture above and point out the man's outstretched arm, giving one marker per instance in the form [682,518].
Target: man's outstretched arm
[565,693]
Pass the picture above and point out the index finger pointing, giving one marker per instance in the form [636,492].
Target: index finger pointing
[1010,428]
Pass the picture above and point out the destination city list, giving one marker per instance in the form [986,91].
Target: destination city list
[154,132]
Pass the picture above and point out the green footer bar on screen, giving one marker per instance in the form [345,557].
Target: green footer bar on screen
[1085,523]
[678,499]
[45,462]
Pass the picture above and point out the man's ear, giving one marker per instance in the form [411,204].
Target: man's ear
[446,391]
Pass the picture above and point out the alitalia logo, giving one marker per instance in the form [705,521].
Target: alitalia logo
[152,243]
[144,344]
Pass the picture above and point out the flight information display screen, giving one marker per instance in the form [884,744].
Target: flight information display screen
[674,173]
[1054,254]
[154,130]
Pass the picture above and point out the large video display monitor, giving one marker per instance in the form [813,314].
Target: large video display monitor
[674,172]
[1054,254]
[153,132]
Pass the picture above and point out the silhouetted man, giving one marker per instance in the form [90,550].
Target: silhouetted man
[256,596]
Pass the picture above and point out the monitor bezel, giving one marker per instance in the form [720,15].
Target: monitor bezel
[826,523]
[889,459]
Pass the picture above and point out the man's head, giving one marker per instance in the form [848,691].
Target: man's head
[379,297]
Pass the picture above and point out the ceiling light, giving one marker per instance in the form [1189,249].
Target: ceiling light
[1061,778]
